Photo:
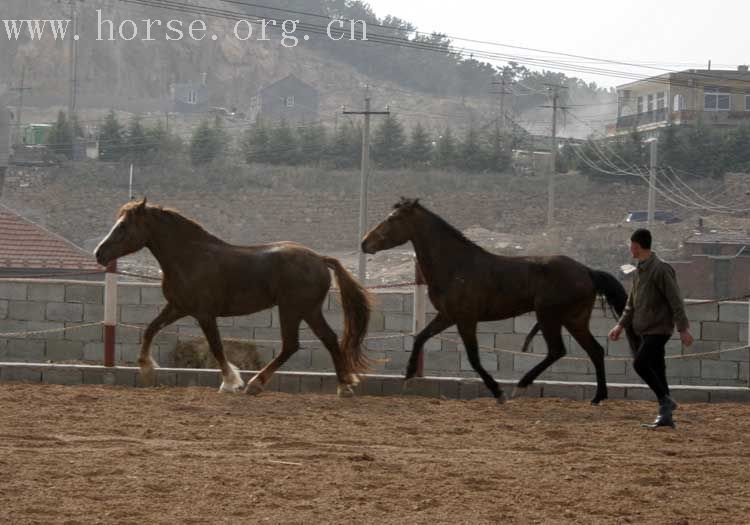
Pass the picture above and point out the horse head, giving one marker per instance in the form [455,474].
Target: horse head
[128,235]
[395,230]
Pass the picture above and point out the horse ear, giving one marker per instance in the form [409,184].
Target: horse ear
[142,204]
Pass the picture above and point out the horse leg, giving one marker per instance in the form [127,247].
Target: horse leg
[434,327]
[468,333]
[530,338]
[232,382]
[552,333]
[289,345]
[167,316]
[583,335]
[318,324]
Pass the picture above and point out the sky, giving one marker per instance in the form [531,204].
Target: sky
[669,34]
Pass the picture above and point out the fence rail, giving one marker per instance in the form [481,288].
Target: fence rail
[419,289]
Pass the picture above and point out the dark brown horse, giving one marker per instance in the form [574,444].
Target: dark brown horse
[205,277]
[468,285]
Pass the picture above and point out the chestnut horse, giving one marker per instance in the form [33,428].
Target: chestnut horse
[468,285]
[205,277]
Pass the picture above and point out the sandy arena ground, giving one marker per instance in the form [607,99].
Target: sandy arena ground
[115,455]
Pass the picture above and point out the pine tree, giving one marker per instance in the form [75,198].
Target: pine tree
[446,153]
[111,139]
[208,142]
[312,144]
[388,143]
[701,150]
[257,143]
[500,153]
[61,136]
[345,150]
[420,148]
[738,149]
[160,144]
[283,145]
[472,157]
[135,146]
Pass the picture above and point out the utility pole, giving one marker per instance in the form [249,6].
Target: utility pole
[553,154]
[73,51]
[502,93]
[362,270]
[652,182]
[19,111]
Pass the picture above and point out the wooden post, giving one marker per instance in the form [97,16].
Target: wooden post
[110,313]
[420,310]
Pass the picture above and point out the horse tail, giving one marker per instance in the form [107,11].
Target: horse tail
[357,304]
[613,290]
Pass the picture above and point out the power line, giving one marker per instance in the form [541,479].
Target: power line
[441,48]
[495,44]
[673,194]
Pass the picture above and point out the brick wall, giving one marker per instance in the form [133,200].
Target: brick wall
[52,305]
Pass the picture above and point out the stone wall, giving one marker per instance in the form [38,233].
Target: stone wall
[39,306]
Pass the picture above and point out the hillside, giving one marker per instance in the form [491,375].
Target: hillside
[506,214]
[432,88]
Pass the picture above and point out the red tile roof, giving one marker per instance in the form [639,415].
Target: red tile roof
[26,245]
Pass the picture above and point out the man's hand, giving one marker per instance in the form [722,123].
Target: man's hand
[614,334]
[686,337]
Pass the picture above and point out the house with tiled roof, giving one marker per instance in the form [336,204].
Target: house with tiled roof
[27,248]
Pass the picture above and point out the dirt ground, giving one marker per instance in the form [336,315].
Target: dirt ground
[114,455]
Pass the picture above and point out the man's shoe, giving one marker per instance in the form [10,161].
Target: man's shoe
[662,420]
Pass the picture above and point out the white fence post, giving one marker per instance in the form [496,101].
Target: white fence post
[420,310]
[110,313]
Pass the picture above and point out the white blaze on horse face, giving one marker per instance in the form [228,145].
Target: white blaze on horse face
[109,234]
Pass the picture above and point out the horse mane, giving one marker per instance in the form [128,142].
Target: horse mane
[173,218]
[441,223]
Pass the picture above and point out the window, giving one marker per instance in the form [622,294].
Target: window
[640,104]
[679,103]
[650,106]
[716,99]
[660,98]
[192,97]
[289,101]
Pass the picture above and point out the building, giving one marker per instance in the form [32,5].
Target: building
[718,98]
[289,99]
[715,264]
[190,97]
[28,249]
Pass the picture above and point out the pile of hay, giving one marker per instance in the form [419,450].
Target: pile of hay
[196,354]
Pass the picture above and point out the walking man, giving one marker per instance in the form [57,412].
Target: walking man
[654,307]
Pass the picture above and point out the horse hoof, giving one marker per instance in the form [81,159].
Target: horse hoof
[518,391]
[501,399]
[148,377]
[253,389]
[148,371]
[345,391]
[228,388]
[408,385]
